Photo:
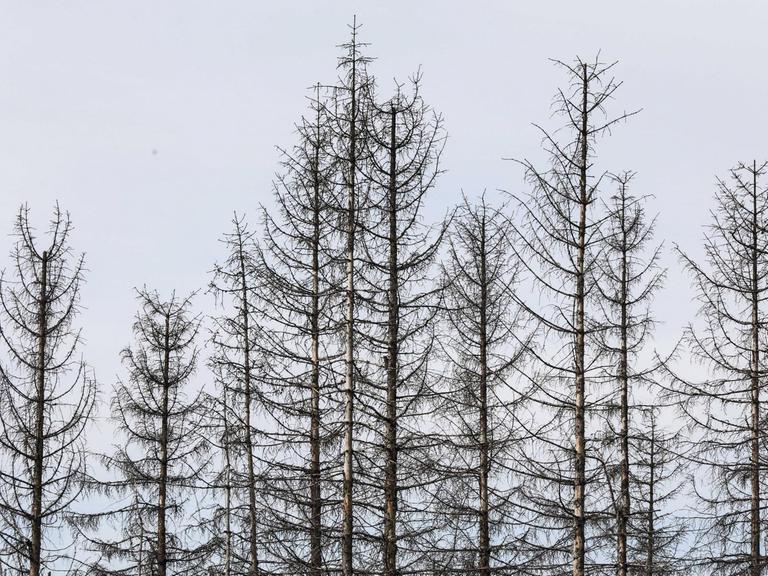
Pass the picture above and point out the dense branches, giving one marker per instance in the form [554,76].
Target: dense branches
[483,338]
[46,397]
[559,242]
[627,281]
[159,465]
[236,362]
[727,409]
[390,391]
[300,288]
[403,147]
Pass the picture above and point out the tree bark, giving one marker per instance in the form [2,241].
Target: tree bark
[316,558]
[37,486]
[755,559]
[624,505]
[253,536]
[651,504]
[485,549]
[390,482]
[579,425]
[227,492]
[162,559]
[347,507]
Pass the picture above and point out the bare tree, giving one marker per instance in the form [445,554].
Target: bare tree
[628,277]
[220,519]
[403,147]
[559,242]
[726,410]
[483,338]
[236,360]
[658,546]
[347,118]
[161,463]
[300,290]
[46,396]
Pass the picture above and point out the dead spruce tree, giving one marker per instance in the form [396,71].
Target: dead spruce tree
[46,397]
[558,242]
[300,288]
[727,410]
[482,340]
[221,520]
[236,360]
[347,119]
[658,543]
[159,464]
[628,277]
[403,147]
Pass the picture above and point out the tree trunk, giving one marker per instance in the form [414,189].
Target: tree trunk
[162,490]
[253,536]
[316,558]
[651,504]
[228,492]
[485,548]
[579,425]
[37,486]
[755,560]
[347,509]
[624,505]
[390,482]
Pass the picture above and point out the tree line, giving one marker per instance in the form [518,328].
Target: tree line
[479,394]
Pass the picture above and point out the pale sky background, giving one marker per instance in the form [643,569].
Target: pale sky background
[151,122]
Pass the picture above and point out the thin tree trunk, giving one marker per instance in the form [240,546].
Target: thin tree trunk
[755,393]
[485,548]
[347,508]
[162,558]
[624,505]
[37,487]
[253,536]
[390,482]
[316,558]
[579,434]
[651,504]
[227,493]
[141,543]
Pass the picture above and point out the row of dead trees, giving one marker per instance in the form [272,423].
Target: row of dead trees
[388,396]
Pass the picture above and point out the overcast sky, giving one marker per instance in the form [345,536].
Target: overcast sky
[151,122]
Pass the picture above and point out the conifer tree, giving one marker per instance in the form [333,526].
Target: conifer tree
[46,397]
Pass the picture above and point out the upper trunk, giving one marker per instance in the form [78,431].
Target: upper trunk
[347,508]
[393,303]
[579,326]
[624,505]
[40,401]
[162,559]
[755,559]
[316,557]
[253,569]
[485,549]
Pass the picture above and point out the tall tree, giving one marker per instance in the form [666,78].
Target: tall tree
[483,339]
[659,534]
[628,277]
[726,410]
[300,288]
[236,360]
[161,462]
[220,519]
[559,241]
[347,119]
[403,148]
[46,396]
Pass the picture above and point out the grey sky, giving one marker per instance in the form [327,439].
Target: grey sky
[151,122]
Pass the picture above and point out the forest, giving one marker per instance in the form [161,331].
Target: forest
[387,394]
